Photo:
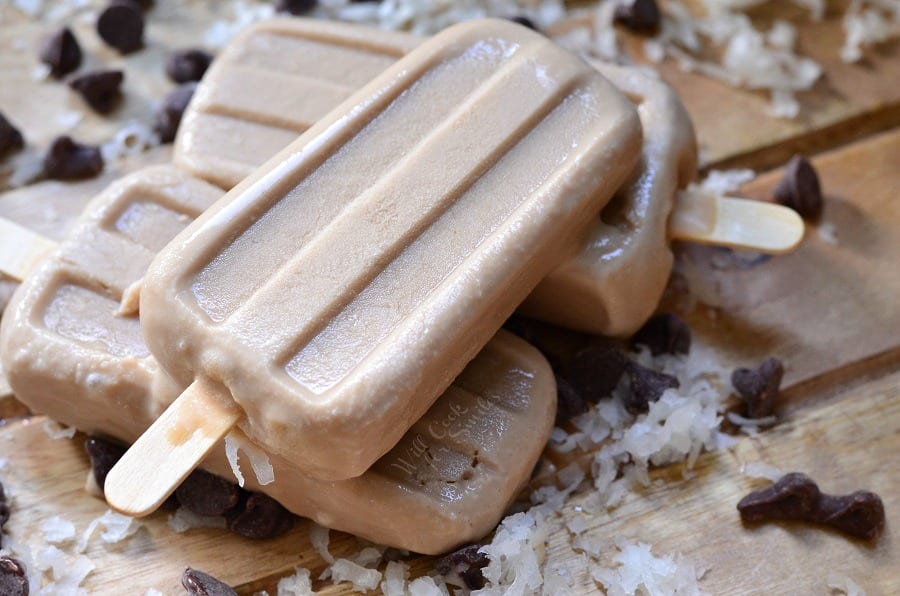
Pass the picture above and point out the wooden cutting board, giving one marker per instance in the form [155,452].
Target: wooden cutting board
[830,311]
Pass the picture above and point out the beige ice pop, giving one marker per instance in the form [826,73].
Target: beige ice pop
[77,357]
[610,286]
[327,300]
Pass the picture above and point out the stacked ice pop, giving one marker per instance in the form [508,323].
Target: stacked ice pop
[324,306]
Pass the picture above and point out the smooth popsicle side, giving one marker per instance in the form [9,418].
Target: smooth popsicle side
[337,291]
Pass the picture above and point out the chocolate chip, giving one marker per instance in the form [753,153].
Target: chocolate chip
[13,580]
[104,455]
[466,563]
[184,66]
[61,53]
[568,403]
[168,117]
[759,388]
[4,512]
[295,7]
[796,497]
[638,15]
[198,583]
[121,25]
[647,386]
[799,188]
[595,370]
[11,139]
[664,334]
[524,21]
[68,160]
[99,89]
[261,517]
[207,494]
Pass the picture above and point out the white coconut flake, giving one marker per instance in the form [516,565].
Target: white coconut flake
[362,578]
[749,423]
[428,586]
[184,519]
[725,181]
[231,453]
[116,527]
[57,530]
[396,576]
[56,431]
[758,469]
[259,461]
[516,555]
[319,537]
[298,584]
[66,572]
[132,139]
[638,571]
[827,232]
[842,584]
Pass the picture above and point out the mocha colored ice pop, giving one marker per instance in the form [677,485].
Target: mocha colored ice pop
[610,286]
[327,300]
[75,356]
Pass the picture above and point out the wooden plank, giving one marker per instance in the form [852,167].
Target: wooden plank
[830,303]
[848,102]
[847,444]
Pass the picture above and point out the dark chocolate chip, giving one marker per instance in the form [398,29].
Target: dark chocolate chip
[261,517]
[4,510]
[13,580]
[799,188]
[207,494]
[184,66]
[168,117]
[638,15]
[524,21]
[11,139]
[295,7]
[467,563]
[198,583]
[647,386]
[796,497]
[104,455]
[100,89]
[68,160]
[595,371]
[759,387]
[61,53]
[121,26]
[664,334]
[568,403]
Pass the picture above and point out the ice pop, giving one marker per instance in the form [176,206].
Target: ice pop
[75,357]
[609,287]
[328,299]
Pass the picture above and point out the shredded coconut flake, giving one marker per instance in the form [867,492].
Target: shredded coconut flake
[362,578]
[319,537]
[116,527]
[725,181]
[396,575]
[758,469]
[184,519]
[56,430]
[259,461]
[298,584]
[639,571]
[57,530]
[132,139]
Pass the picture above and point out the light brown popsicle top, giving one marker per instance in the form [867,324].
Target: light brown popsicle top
[338,290]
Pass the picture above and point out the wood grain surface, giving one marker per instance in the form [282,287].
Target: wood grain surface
[831,311]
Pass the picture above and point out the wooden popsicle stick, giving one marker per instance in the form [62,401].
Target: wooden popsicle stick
[21,249]
[706,218]
[170,449]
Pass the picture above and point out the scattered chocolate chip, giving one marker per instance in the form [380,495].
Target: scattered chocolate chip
[759,388]
[524,21]
[121,25]
[100,89]
[638,15]
[568,403]
[4,513]
[595,370]
[184,66]
[466,563]
[261,517]
[104,455]
[68,160]
[13,580]
[664,334]
[169,115]
[295,7]
[11,139]
[61,53]
[796,497]
[647,386]
[207,494]
[198,583]
[799,188]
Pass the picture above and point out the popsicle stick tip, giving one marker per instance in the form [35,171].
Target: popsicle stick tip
[169,450]
[21,249]
[707,218]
